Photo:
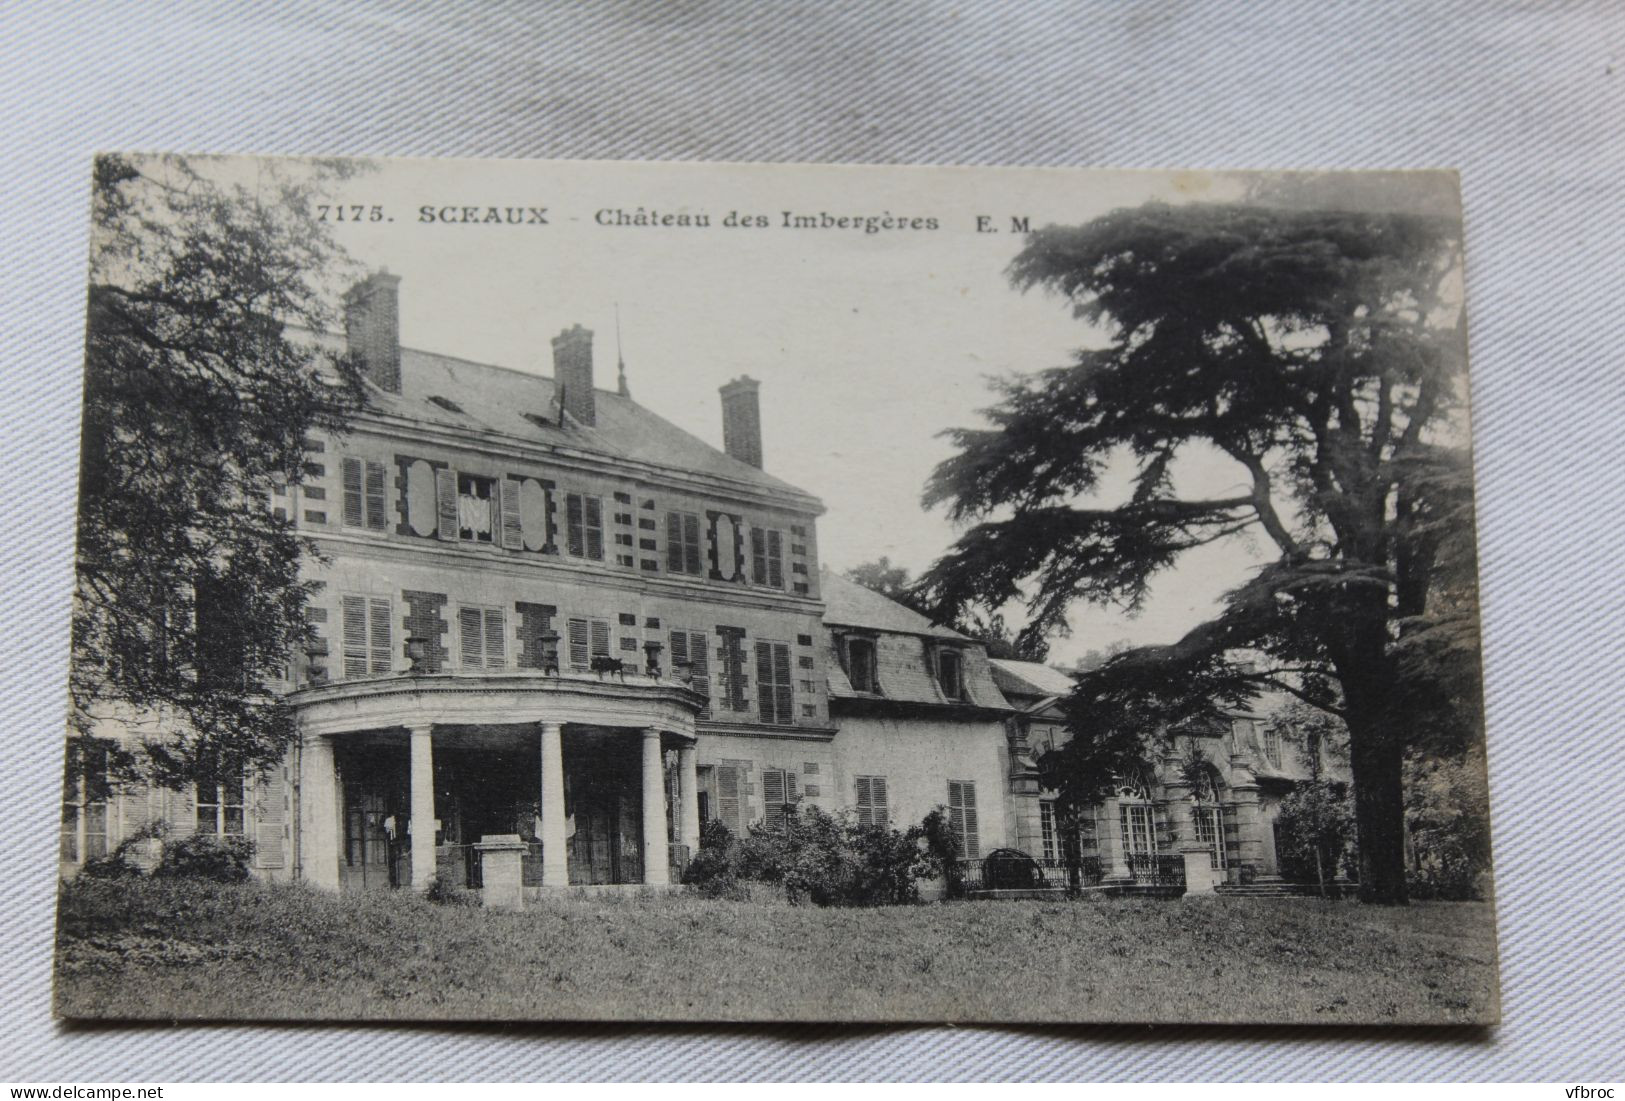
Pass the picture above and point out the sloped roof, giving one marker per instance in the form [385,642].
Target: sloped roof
[1029,678]
[848,604]
[498,399]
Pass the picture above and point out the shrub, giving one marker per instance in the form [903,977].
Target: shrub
[815,857]
[117,864]
[203,856]
[444,893]
[713,869]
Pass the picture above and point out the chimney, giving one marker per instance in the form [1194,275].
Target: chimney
[572,373]
[372,328]
[742,420]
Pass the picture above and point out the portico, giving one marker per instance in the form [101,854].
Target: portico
[595,775]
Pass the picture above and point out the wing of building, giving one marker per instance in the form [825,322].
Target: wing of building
[556,632]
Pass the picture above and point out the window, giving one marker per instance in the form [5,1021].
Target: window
[860,665]
[1272,744]
[779,796]
[871,800]
[476,508]
[1210,832]
[950,675]
[589,638]
[366,635]
[732,681]
[773,690]
[483,643]
[1046,825]
[729,805]
[682,543]
[364,494]
[585,516]
[220,807]
[767,557]
[689,646]
[84,803]
[1138,828]
[962,818]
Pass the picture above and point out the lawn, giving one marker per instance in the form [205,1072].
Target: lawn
[172,950]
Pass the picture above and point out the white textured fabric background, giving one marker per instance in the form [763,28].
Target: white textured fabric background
[1525,98]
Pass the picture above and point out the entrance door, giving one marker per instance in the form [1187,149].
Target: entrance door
[603,800]
[377,851]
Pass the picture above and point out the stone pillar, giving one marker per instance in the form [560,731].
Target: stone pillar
[689,812]
[1201,877]
[1249,823]
[1109,841]
[501,870]
[555,852]
[422,820]
[319,814]
[655,870]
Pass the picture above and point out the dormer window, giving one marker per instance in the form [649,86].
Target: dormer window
[951,674]
[861,666]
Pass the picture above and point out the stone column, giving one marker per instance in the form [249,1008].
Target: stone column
[501,871]
[422,821]
[555,852]
[319,814]
[1249,822]
[1109,840]
[655,871]
[689,812]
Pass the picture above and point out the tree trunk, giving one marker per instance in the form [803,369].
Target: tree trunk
[1376,754]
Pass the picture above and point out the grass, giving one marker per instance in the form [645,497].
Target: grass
[173,950]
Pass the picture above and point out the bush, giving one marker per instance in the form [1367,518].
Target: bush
[713,869]
[117,864]
[816,857]
[203,856]
[442,892]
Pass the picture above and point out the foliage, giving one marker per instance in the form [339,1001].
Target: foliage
[1319,738]
[197,403]
[892,582]
[1322,353]
[447,894]
[204,856]
[1313,831]
[888,580]
[816,857]
[118,863]
[1447,811]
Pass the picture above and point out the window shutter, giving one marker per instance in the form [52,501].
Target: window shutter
[382,659]
[595,527]
[764,681]
[674,542]
[355,636]
[513,533]
[576,539]
[775,559]
[445,492]
[878,790]
[352,492]
[691,544]
[702,669]
[973,846]
[773,797]
[758,555]
[792,794]
[783,690]
[865,798]
[469,632]
[495,651]
[600,636]
[375,496]
[270,819]
[679,648]
[728,797]
[579,651]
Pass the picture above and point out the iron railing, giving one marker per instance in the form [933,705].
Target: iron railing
[1156,870]
[1012,870]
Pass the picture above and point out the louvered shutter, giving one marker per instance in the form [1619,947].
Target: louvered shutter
[702,669]
[679,648]
[496,651]
[595,527]
[773,797]
[758,555]
[352,492]
[775,559]
[674,542]
[445,493]
[691,544]
[375,496]
[877,791]
[470,630]
[600,637]
[576,540]
[378,636]
[865,800]
[783,690]
[355,636]
[513,532]
[180,812]
[973,844]
[270,818]
[764,681]
[728,798]
[579,651]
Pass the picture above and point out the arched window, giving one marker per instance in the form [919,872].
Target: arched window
[1208,813]
[1136,817]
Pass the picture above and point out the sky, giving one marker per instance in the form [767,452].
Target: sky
[867,345]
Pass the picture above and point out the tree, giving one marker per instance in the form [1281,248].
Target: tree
[1315,822]
[197,405]
[1319,352]
[990,630]
[889,581]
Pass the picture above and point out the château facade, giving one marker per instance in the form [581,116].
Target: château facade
[553,625]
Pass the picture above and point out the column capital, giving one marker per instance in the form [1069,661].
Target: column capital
[420,728]
[651,732]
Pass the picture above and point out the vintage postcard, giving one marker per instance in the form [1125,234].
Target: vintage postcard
[673,592]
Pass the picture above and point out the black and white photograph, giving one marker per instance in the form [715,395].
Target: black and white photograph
[519,590]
